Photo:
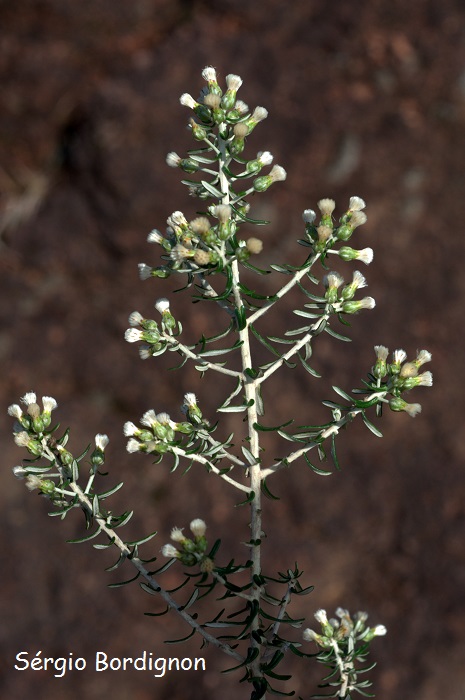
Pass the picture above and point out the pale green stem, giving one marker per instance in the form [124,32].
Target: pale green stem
[203,460]
[314,330]
[183,349]
[250,388]
[284,290]
[330,430]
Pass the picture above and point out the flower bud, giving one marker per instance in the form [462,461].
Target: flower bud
[209,74]
[198,132]
[398,404]
[352,307]
[233,83]
[332,281]
[380,367]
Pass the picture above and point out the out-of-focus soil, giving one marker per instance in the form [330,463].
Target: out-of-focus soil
[364,98]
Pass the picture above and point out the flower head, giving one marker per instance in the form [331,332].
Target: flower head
[29,398]
[49,404]
[101,441]
[198,527]
[176,535]
[326,206]
[356,204]
[309,216]
[15,411]
[422,357]
[170,552]
[233,82]
[162,305]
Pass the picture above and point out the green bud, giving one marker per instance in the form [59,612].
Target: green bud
[151,337]
[38,424]
[164,432]
[242,254]
[201,543]
[198,132]
[167,321]
[236,146]
[161,272]
[261,184]
[46,418]
[97,458]
[203,113]
[66,457]
[343,233]
[35,448]
[188,559]
[347,254]
[47,487]
[186,428]
[188,165]
[189,546]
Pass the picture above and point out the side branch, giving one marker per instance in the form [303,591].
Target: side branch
[149,579]
[203,460]
[176,345]
[284,290]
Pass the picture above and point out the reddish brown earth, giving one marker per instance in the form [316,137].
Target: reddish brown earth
[364,98]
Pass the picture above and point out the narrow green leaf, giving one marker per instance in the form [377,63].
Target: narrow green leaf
[232,409]
[264,341]
[333,452]
[267,491]
[148,589]
[214,191]
[125,518]
[192,599]
[309,369]
[263,428]
[317,470]
[87,538]
[105,545]
[252,654]
[370,426]
[257,222]
[122,557]
[249,456]
[110,492]
[342,393]
[124,583]
[332,332]
[181,639]
[280,268]
[248,500]
[160,614]
[142,540]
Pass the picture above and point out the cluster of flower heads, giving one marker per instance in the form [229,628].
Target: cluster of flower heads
[215,109]
[196,245]
[150,332]
[344,642]
[401,376]
[191,551]
[222,122]
[342,301]
[337,631]
[344,646]
[324,235]
[32,431]
[158,431]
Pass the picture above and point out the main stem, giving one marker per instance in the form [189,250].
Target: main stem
[250,388]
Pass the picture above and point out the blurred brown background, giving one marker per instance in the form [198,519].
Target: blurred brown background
[364,98]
